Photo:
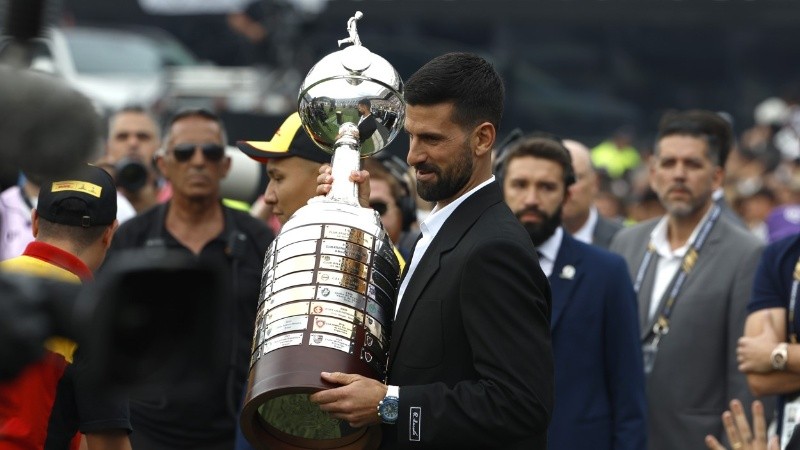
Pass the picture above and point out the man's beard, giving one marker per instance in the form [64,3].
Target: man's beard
[684,208]
[449,182]
[541,231]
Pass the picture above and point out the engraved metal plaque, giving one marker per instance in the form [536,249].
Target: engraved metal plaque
[330,278]
[339,311]
[341,295]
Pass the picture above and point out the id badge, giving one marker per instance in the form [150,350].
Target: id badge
[649,351]
[791,417]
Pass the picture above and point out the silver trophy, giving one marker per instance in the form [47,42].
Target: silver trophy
[330,277]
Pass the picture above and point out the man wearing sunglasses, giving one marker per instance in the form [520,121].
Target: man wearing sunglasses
[194,220]
[389,196]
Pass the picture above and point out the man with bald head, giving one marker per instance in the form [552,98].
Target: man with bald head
[580,216]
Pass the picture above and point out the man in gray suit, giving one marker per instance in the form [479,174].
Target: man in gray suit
[580,216]
[693,272]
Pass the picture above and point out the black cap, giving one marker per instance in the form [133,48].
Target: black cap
[289,140]
[86,198]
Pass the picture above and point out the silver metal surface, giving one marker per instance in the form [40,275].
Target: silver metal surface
[334,342]
[330,277]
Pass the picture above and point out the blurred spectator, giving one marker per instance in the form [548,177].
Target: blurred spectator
[610,206]
[196,222]
[16,226]
[580,215]
[643,207]
[133,139]
[51,400]
[783,221]
[757,142]
[16,205]
[754,204]
[594,310]
[390,196]
[693,272]
[787,138]
[767,352]
[252,24]
[617,156]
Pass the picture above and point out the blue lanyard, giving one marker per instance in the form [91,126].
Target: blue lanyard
[793,302]
[689,260]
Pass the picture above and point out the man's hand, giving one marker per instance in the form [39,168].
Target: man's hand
[753,353]
[360,177]
[739,433]
[355,401]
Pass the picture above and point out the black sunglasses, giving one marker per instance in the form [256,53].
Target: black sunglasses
[381,207]
[212,152]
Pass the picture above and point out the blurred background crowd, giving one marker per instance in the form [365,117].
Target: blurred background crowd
[602,73]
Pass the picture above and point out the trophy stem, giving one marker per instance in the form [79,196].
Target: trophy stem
[346,158]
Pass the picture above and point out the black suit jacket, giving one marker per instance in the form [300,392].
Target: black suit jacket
[367,127]
[470,345]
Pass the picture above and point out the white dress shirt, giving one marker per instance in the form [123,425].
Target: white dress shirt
[429,228]
[548,251]
[669,261]
[586,232]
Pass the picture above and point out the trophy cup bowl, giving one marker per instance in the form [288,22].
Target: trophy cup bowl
[330,277]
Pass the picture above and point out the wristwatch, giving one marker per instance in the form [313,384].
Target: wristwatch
[779,356]
[389,407]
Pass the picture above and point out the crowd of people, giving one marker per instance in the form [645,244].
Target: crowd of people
[530,314]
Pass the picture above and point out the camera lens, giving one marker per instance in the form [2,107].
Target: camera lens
[131,174]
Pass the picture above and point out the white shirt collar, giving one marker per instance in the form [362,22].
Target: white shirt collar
[658,237]
[437,217]
[549,248]
[430,228]
[586,232]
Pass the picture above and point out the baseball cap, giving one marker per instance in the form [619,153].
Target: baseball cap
[84,198]
[289,140]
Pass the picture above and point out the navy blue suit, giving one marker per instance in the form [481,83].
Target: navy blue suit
[599,390]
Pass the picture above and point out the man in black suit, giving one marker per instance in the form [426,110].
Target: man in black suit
[366,124]
[470,357]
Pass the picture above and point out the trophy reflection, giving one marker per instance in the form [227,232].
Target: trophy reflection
[330,277]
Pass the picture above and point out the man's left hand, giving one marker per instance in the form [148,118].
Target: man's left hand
[355,401]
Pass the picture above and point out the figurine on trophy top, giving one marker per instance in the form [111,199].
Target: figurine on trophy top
[342,98]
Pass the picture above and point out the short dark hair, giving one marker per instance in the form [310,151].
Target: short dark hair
[195,112]
[365,102]
[703,124]
[465,79]
[133,109]
[543,147]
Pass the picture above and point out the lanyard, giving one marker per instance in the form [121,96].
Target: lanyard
[689,261]
[793,302]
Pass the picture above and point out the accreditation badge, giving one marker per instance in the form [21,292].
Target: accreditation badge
[649,351]
[791,417]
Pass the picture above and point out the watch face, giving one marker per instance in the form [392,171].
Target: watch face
[389,409]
